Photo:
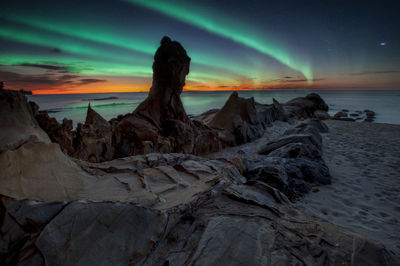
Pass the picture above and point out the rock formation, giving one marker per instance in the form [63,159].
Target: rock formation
[154,209]
[305,107]
[293,163]
[62,134]
[94,139]
[242,120]
[160,123]
[239,120]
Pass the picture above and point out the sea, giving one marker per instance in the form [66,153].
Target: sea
[385,103]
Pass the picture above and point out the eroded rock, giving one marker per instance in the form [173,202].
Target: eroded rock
[94,139]
[161,118]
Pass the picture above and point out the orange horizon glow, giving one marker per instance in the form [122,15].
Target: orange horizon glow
[125,87]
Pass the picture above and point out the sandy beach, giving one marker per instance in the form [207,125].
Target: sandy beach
[364,162]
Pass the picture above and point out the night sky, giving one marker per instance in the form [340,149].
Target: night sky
[108,46]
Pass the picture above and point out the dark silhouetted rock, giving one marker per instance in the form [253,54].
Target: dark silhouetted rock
[304,107]
[370,115]
[58,133]
[294,162]
[239,119]
[94,138]
[161,118]
[340,114]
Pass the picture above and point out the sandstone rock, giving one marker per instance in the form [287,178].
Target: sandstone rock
[94,139]
[161,118]
[239,118]
[58,133]
[18,125]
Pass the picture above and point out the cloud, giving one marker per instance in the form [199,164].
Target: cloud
[44,81]
[44,66]
[88,81]
[374,72]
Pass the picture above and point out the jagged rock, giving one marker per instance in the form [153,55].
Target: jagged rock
[268,113]
[239,119]
[161,118]
[94,138]
[62,134]
[18,126]
[305,107]
[155,209]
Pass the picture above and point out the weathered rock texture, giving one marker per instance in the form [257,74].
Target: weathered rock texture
[304,107]
[93,141]
[241,120]
[293,163]
[62,134]
[157,209]
[160,123]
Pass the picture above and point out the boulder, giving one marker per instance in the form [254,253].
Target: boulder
[305,107]
[294,162]
[239,119]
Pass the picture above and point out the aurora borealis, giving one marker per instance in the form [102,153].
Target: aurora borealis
[108,46]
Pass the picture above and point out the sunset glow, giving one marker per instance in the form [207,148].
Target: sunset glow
[98,47]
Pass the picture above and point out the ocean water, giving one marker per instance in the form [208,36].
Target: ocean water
[386,104]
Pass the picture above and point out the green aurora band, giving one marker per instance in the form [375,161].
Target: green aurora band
[93,34]
[221,27]
[113,63]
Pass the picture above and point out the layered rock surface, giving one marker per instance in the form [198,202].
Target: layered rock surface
[166,208]
[243,120]
[152,209]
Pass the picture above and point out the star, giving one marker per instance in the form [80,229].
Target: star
[383,43]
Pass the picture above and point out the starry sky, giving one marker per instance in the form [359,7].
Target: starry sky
[108,46]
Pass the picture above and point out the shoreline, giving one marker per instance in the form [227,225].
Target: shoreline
[363,159]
